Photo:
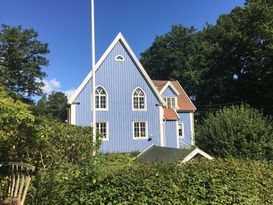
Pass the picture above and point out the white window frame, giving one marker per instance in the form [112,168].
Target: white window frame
[145,100]
[166,100]
[119,56]
[107,130]
[106,100]
[183,133]
[146,131]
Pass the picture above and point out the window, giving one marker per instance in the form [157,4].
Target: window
[139,100]
[171,101]
[101,98]
[140,130]
[180,130]
[119,58]
[102,127]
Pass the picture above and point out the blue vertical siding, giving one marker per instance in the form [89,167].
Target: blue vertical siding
[171,134]
[120,78]
[186,120]
[169,92]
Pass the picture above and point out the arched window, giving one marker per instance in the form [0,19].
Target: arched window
[139,101]
[101,98]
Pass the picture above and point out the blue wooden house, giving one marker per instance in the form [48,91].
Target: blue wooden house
[133,112]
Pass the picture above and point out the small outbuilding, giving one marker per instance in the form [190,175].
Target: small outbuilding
[157,154]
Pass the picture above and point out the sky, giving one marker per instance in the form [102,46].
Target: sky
[65,26]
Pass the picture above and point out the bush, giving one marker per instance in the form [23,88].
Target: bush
[238,131]
[17,133]
[200,182]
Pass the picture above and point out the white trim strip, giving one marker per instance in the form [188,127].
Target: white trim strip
[195,152]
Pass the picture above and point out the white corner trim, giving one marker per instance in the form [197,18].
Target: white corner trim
[161,125]
[119,37]
[192,128]
[195,152]
[73,114]
[172,87]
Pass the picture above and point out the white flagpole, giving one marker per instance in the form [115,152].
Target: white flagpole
[93,73]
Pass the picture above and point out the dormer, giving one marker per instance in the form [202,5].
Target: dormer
[169,94]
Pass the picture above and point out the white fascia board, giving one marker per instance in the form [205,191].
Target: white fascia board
[195,152]
[119,37]
[172,87]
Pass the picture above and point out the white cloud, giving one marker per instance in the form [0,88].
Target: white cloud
[69,93]
[55,86]
[51,85]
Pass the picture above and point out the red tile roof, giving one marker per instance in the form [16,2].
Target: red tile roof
[183,101]
[170,114]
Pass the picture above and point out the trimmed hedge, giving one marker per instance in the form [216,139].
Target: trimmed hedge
[219,181]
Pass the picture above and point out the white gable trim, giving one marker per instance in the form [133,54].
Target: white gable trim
[119,37]
[195,152]
[172,87]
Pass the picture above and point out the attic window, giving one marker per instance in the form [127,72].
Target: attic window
[119,58]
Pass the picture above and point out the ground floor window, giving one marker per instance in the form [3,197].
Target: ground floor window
[140,130]
[102,127]
[180,130]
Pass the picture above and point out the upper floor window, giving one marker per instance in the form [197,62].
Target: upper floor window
[139,100]
[171,101]
[119,58]
[101,98]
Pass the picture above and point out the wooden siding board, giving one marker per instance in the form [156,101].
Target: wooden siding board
[171,134]
[186,120]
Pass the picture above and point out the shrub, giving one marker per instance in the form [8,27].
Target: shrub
[238,131]
[17,131]
[219,181]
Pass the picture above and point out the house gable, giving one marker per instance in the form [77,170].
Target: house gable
[120,78]
[119,38]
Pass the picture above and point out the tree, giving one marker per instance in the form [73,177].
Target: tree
[22,56]
[225,63]
[237,131]
[56,105]
[176,55]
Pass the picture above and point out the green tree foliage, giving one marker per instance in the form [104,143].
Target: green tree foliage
[175,55]
[237,131]
[22,56]
[55,105]
[231,61]
[17,130]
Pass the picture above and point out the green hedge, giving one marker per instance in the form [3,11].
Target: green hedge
[200,182]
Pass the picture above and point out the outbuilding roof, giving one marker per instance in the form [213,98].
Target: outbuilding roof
[157,154]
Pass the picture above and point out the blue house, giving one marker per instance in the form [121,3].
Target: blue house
[133,112]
